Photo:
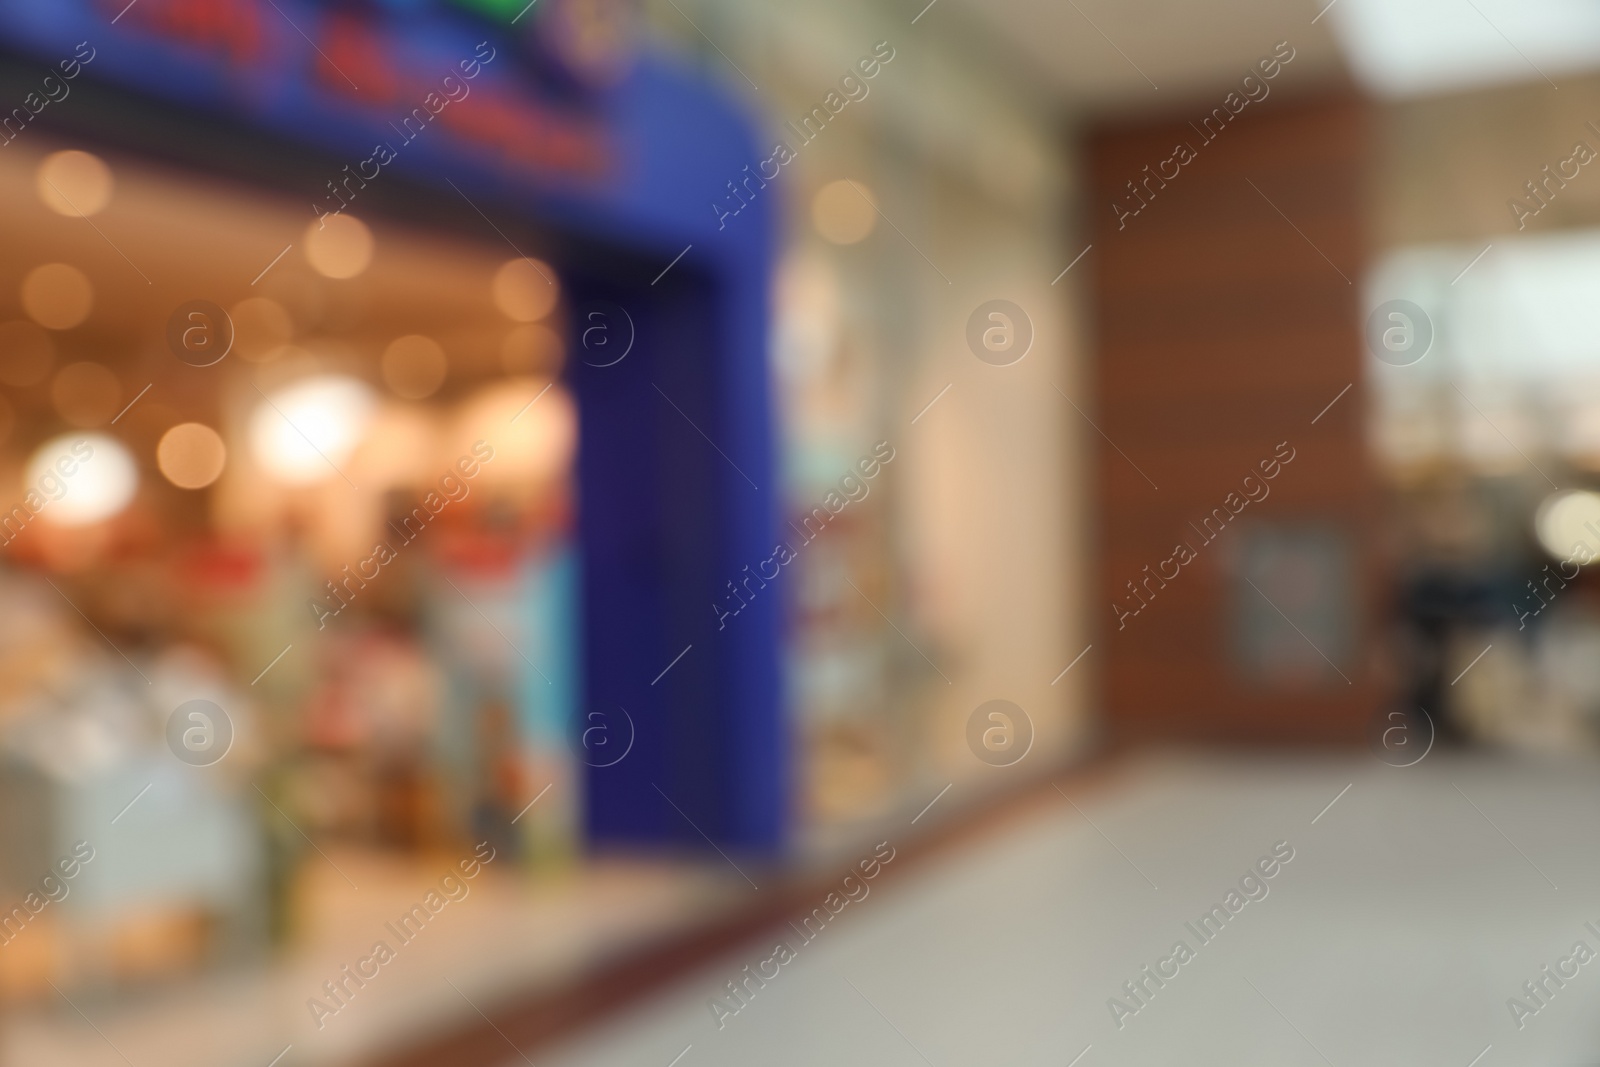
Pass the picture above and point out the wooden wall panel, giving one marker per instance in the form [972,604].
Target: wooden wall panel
[1226,316]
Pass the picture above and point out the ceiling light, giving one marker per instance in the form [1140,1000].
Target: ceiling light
[191,455]
[73,183]
[95,473]
[414,366]
[57,296]
[1411,47]
[525,289]
[305,432]
[339,246]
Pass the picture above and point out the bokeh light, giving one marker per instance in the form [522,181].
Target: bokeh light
[339,246]
[304,432]
[85,478]
[1568,519]
[414,366]
[525,290]
[74,183]
[191,455]
[844,211]
[260,326]
[57,295]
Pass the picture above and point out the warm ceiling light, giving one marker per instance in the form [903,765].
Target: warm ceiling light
[95,474]
[259,326]
[525,289]
[73,183]
[1569,519]
[85,394]
[339,246]
[305,432]
[191,455]
[57,296]
[844,211]
[25,353]
[414,366]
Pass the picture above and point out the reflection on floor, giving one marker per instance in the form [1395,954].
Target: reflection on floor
[1411,910]
[505,935]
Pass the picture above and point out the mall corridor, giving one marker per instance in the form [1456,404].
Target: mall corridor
[1412,909]
[742,533]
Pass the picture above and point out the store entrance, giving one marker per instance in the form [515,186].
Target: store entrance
[322,479]
[431,529]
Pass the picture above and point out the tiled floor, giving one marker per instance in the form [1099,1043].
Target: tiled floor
[1412,909]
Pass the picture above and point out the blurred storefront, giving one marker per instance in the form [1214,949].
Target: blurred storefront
[1484,419]
[1488,444]
[941,181]
[378,502]
[340,477]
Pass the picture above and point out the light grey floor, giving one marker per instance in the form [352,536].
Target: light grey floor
[1394,937]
